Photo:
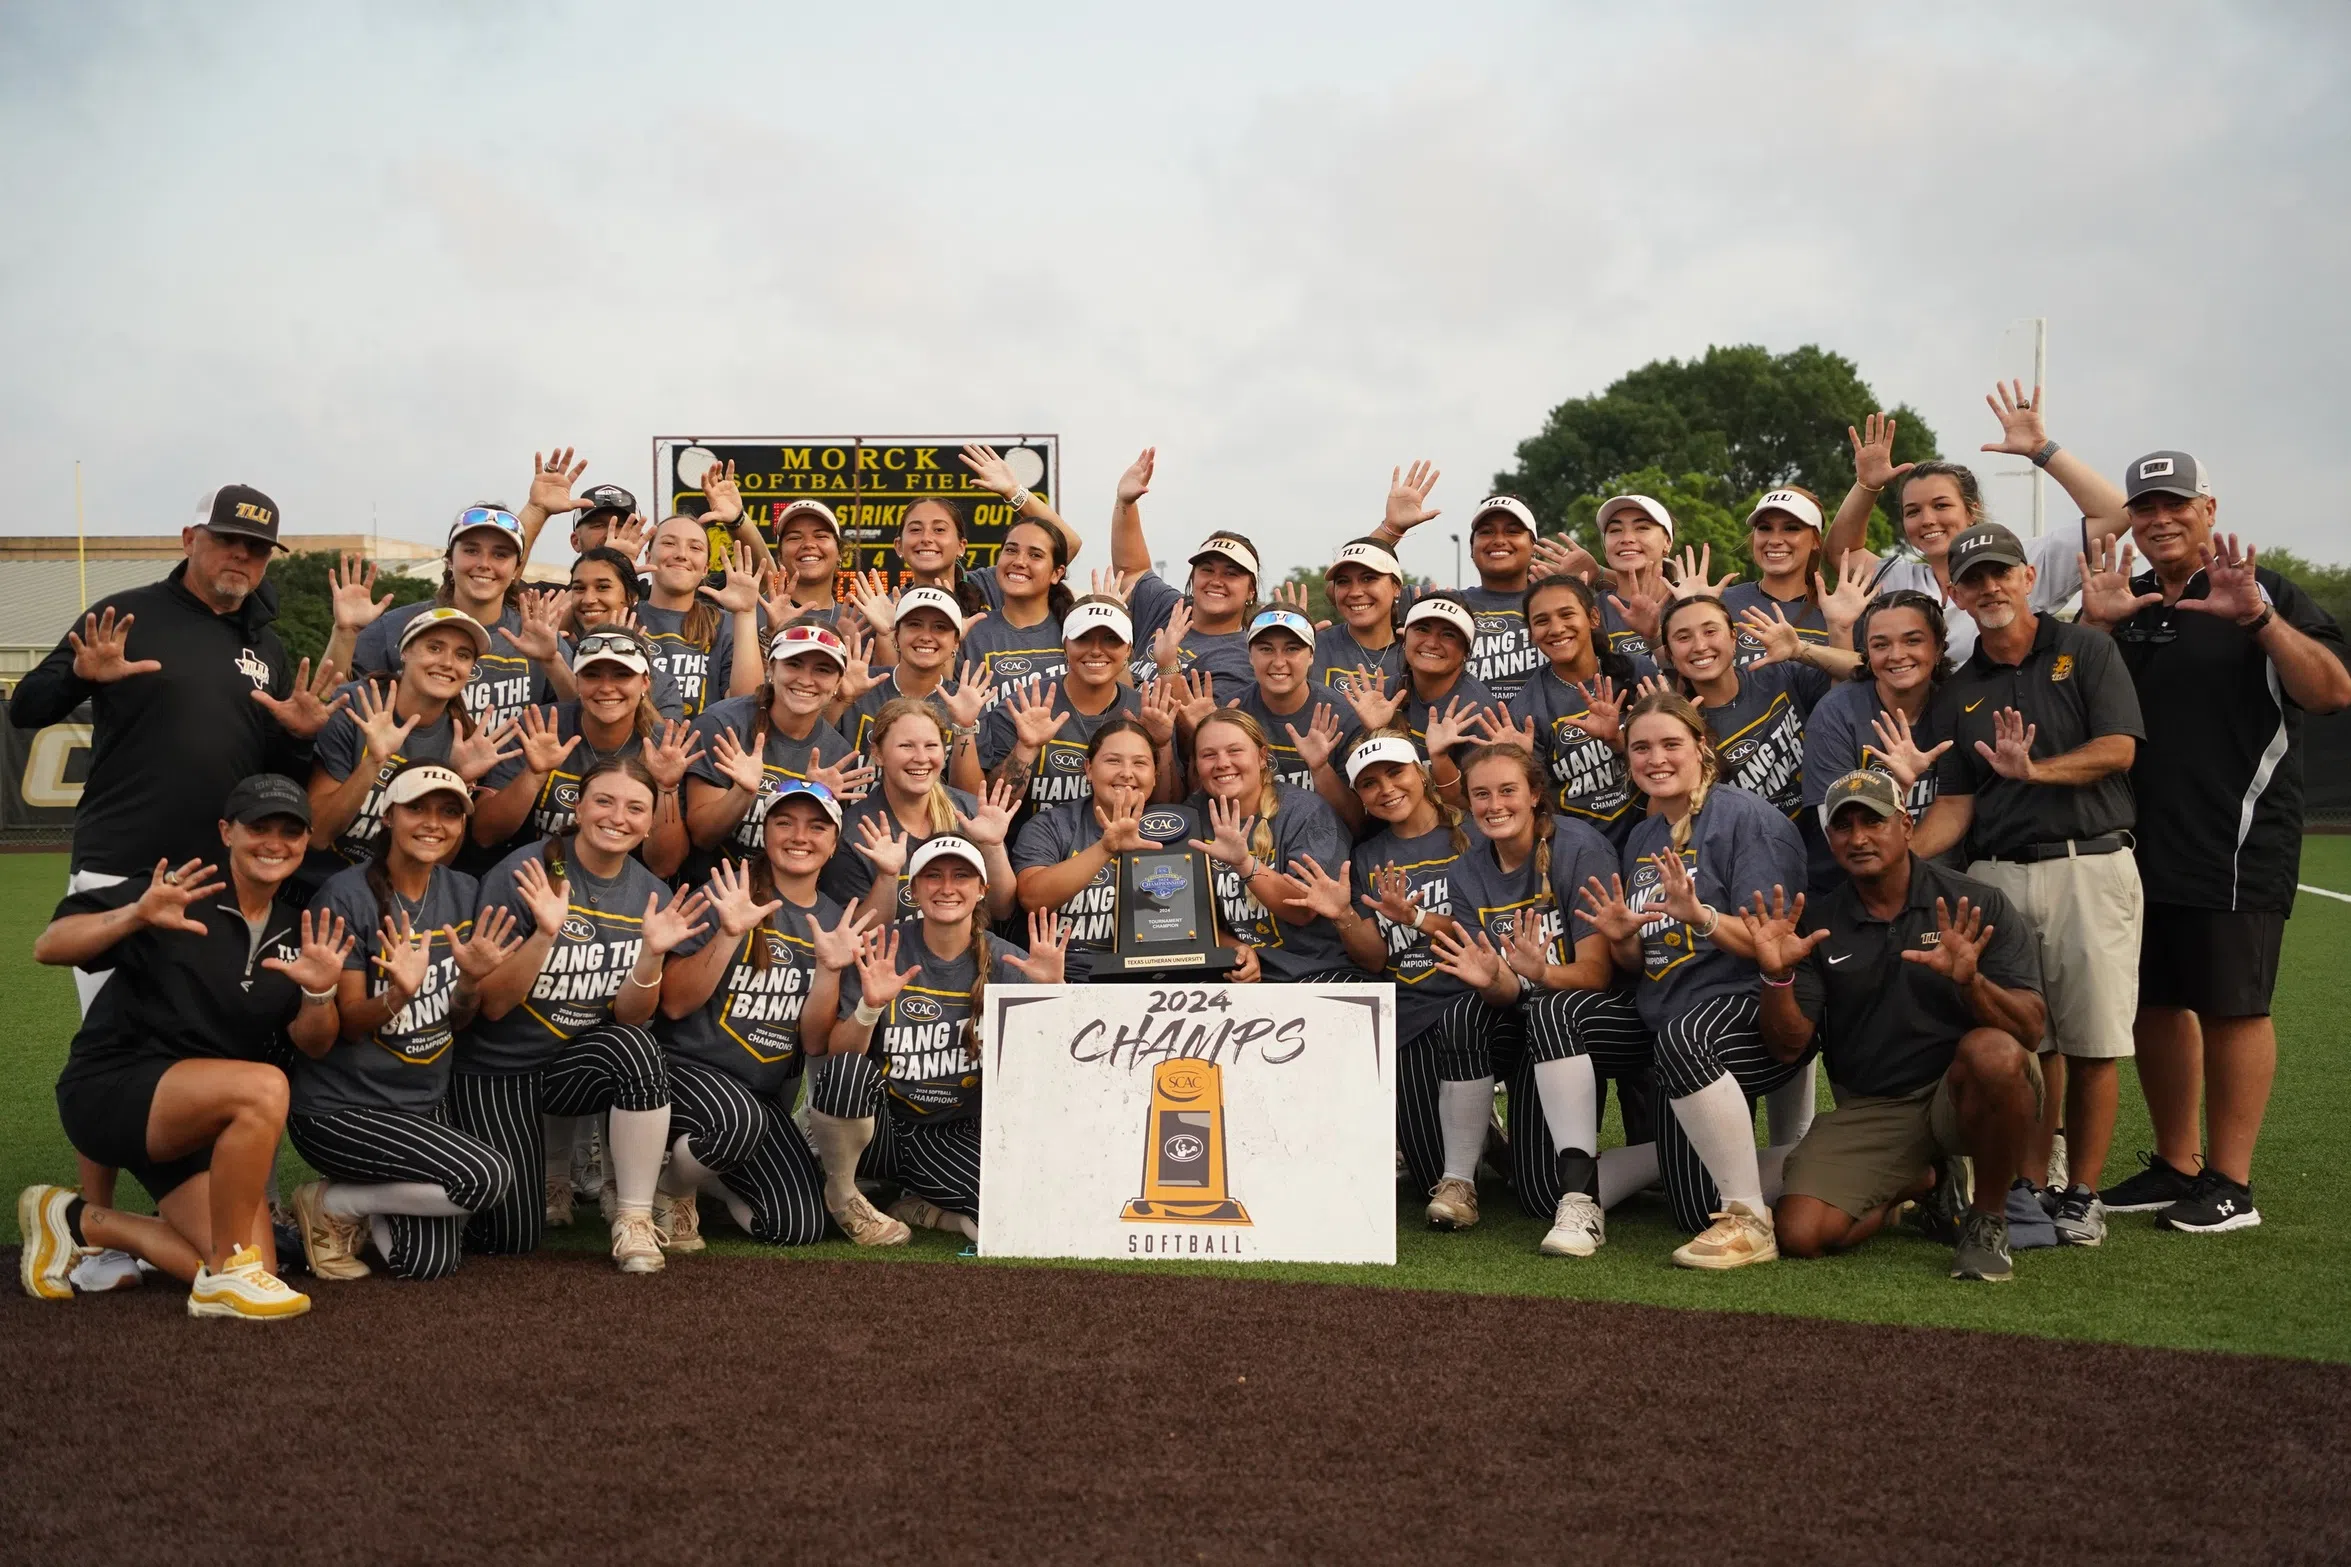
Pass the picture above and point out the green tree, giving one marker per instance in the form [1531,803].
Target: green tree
[2330,586]
[306,615]
[1739,421]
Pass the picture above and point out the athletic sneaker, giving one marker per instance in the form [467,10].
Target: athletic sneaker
[2158,1185]
[49,1252]
[1453,1205]
[2079,1220]
[104,1270]
[916,1214]
[1937,1214]
[245,1290]
[2060,1163]
[1494,1154]
[1738,1236]
[2029,1226]
[636,1242]
[866,1225]
[558,1202]
[2215,1206]
[608,1201]
[330,1243]
[1982,1252]
[681,1221]
[587,1163]
[1578,1228]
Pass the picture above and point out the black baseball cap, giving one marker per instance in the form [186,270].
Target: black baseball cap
[603,498]
[242,510]
[265,795]
[1985,544]
[2166,473]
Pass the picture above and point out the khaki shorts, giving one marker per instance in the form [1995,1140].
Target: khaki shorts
[1869,1151]
[2087,912]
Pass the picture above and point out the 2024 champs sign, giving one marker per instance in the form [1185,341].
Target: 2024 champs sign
[1228,1122]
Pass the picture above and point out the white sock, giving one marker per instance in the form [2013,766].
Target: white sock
[1463,1109]
[960,1223]
[633,1155]
[1721,1128]
[361,1199]
[840,1142]
[1788,1109]
[555,1130]
[737,1209]
[1570,1092]
[684,1173]
[380,1228]
[1770,1164]
[1624,1171]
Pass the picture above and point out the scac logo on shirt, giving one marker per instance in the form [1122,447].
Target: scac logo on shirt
[918,1009]
[578,929]
[252,666]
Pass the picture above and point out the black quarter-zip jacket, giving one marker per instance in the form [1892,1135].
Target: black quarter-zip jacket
[167,747]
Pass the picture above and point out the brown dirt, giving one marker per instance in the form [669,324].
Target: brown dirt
[549,1410]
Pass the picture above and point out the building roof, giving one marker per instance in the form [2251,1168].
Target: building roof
[40,599]
[166,546]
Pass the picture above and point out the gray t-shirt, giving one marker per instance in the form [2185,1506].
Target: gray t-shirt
[1740,845]
[698,673]
[341,746]
[1337,653]
[928,1072]
[1587,776]
[750,1026]
[1060,773]
[1759,734]
[856,724]
[1001,654]
[1304,828]
[1288,765]
[590,960]
[1488,898]
[849,874]
[1505,655]
[782,757]
[1064,832]
[1224,654]
[1422,989]
[403,1065]
[1811,625]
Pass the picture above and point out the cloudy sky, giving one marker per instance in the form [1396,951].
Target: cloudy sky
[369,258]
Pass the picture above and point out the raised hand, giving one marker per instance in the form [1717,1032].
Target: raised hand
[2011,752]
[989,471]
[666,929]
[837,949]
[1392,896]
[1408,497]
[1873,452]
[402,957]
[722,496]
[965,697]
[857,676]
[849,778]
[1640,607]
[1366,691]
[1320,739]
[1603,715]
[1605,910]
[2021,430]
[491,942]
[1841,605]
[1559,556]
[1448,728]
[2107,599]
[351,590]
[1897,748]
[736,765]
[1494,727]
[1110,583]
[552,479]
[547,899]
[1693,573]
[1293,596]
[1167,643]
[775,599]
[1048,949]
[1158,715]
[325,944]
[541,636]
[881,843]
[1649,685]
[99,655]
[1468,955]
[1529,952]
[1119,813]
[870,592]
[739,593]
[1774,929]
[2231,589]
[1229,826]
[729,892]
[475,756]
[1329,897]
[543,745]
[380,725]
[304,711]
[668,757]
[164,905]
[878,975]
[1195,697]
[1031,708]
[1960,940]
[628,536]
[1135,483]
[1680,893]
[992,822]
[1774,630]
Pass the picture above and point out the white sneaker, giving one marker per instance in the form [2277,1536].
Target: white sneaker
[866,1225]
[681,1222]
[244,1289]
[608,1201]
[636,1243]
[558,1203]
[1578,1228]
[49,1252]
[1738,1236]
[103,1270]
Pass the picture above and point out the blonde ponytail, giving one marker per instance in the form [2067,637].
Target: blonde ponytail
[1269,799]
[1679,708]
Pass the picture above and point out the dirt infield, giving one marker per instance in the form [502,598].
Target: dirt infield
[548,1410]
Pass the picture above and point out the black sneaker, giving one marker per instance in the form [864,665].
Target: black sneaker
[1982,1252]
[2158,1184]
[1937,1214]
[2214,1204]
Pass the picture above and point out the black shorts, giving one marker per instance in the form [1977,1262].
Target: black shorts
[2216,963]
[105,1118]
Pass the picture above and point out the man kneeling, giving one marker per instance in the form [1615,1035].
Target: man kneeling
[1923,987]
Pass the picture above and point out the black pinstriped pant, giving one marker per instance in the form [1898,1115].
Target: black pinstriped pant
[370,1147]
[1468,1040]
[615,1066]
[753,1147]
[938,1161]
[1693,1049]
[848,1086]
[1602,1024]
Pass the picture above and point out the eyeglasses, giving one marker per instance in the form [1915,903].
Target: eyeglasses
[2136,629]
[608,642]
[488,517]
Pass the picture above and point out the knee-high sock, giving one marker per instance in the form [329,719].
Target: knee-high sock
[379,1229]
[1789,1108]
[737,1209]
[1770,1164]
[361,1199]
[684,1174]
[1624,1171]
[840,1142]
[1722,1130]
[1570,1092]
[556,1130]
[1463,1109]
[633,1154]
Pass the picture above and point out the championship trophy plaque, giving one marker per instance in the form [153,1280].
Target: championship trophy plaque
[1165,921]
[1183,1149]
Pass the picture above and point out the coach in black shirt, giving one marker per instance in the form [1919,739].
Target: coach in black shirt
[2227,656]
[2038,730]
[1923,989]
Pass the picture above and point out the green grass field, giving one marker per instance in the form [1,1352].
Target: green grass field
[2276,1290]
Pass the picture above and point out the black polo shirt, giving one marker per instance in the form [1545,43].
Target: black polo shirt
[2072,688]
[2219,779]
[177,995]
[1887,1026]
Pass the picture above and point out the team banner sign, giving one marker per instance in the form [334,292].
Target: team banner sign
[41,779]
[868,481]
[1229,1122]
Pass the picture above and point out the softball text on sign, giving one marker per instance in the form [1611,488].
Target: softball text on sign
[868,481]
[1235,1122]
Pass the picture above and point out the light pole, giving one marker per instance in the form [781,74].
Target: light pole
[1457,561]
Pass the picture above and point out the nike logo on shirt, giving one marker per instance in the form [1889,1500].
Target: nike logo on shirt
[1839,958]
[1972,706]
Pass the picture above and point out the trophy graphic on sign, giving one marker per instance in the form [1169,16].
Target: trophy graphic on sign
[1183,1150]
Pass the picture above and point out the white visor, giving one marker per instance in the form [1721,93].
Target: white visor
[1508,505]
[1378,749]
[931,598]
[1652,509]
[1369,556]
[1226,549]
[1801,507]
[817,509]
[942,846]
[417,782]
[1455,615]
[1083,618]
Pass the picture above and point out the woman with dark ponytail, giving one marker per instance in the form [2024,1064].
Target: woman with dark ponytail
[1570,709]
[1020,641]
[708,637]
[1868,721]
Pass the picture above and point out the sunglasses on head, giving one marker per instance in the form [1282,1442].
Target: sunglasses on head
[487,517]
[608,642]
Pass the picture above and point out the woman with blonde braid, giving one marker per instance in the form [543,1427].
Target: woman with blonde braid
[1254,827]
[920,1027]
[1706,850]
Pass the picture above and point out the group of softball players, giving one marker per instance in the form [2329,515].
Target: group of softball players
[722,862]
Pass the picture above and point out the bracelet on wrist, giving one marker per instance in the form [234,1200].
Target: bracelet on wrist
[2049,449]
[1713,917]
[1420,919]
[319,998]
[1019,499]
[866,1014]
[1779,984]
[645,984]
[2260,622]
